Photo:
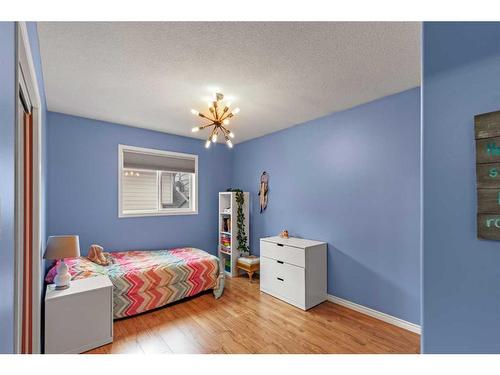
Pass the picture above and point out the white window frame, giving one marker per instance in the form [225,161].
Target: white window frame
[161,211]
[160,188]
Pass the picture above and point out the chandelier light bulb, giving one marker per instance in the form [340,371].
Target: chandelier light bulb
[236,111]
[229,143]
[207,144]
[225,122]
[231,134]
[195,112]
[195,129]
[214,138]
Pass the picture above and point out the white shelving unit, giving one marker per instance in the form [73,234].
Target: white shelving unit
[228,230]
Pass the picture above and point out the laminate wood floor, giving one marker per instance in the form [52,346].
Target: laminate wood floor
[244,320]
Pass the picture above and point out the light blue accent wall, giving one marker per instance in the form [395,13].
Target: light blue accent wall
[350,179]
[461,274]
[83,187]
[7,188]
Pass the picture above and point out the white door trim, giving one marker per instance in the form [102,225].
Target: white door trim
[25,70]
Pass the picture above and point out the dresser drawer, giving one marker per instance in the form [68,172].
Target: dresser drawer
[283,280]
[284,253]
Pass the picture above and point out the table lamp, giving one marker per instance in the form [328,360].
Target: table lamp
[58,248]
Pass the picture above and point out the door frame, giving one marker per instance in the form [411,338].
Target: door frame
[27,83]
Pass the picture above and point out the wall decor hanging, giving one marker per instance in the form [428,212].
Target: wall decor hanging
[263,189]
[487,134]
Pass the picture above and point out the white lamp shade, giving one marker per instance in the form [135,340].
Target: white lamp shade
[60,247]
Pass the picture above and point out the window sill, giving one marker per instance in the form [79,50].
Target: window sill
[152,214]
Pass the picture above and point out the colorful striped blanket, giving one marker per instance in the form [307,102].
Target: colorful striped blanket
[145,280]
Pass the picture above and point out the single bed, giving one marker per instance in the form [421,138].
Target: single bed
[145,280]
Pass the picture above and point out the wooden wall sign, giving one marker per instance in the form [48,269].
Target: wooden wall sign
[487,134]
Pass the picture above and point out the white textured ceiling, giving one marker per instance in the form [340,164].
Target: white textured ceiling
[280,74]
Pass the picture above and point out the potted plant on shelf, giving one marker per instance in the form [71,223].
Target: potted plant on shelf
[240,222]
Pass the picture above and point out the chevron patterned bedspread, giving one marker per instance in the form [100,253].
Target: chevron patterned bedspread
[145,280]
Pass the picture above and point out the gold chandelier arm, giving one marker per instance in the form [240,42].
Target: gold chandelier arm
[226,108]
[216,107]
[203,116]
[228,116]
[212,134]
[206,126]
[226,132]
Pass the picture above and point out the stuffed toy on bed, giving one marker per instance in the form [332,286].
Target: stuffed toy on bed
[98,256]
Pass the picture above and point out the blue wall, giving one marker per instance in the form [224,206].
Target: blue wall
[7,164]
[350,179]
[83,187]
[461,274]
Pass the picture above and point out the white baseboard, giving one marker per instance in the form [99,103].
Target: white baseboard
[375,314]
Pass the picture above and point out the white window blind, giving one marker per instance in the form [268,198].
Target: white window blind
[139,191]
[152,161]
[167,188]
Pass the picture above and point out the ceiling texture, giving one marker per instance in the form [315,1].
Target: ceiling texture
[280,74]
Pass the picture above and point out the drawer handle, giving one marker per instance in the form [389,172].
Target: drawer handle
[280,261]
[280,244]
[280,279]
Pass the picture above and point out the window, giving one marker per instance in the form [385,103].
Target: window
[154,182]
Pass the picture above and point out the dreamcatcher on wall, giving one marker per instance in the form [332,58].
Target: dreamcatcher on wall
[263,189]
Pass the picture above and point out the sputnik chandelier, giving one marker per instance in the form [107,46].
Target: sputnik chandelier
[219,118]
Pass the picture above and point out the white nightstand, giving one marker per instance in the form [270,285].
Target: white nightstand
[79,318]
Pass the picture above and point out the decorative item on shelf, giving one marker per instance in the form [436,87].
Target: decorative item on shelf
[59,248]
[225,250]
[226,224]
[227,265]
[263,189]
[284,234]
[240,222]
[219,118]
[225,241]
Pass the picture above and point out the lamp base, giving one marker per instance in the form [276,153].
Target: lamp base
[61,287]
[63,277]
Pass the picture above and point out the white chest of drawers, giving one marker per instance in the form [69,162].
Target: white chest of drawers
[293,270]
